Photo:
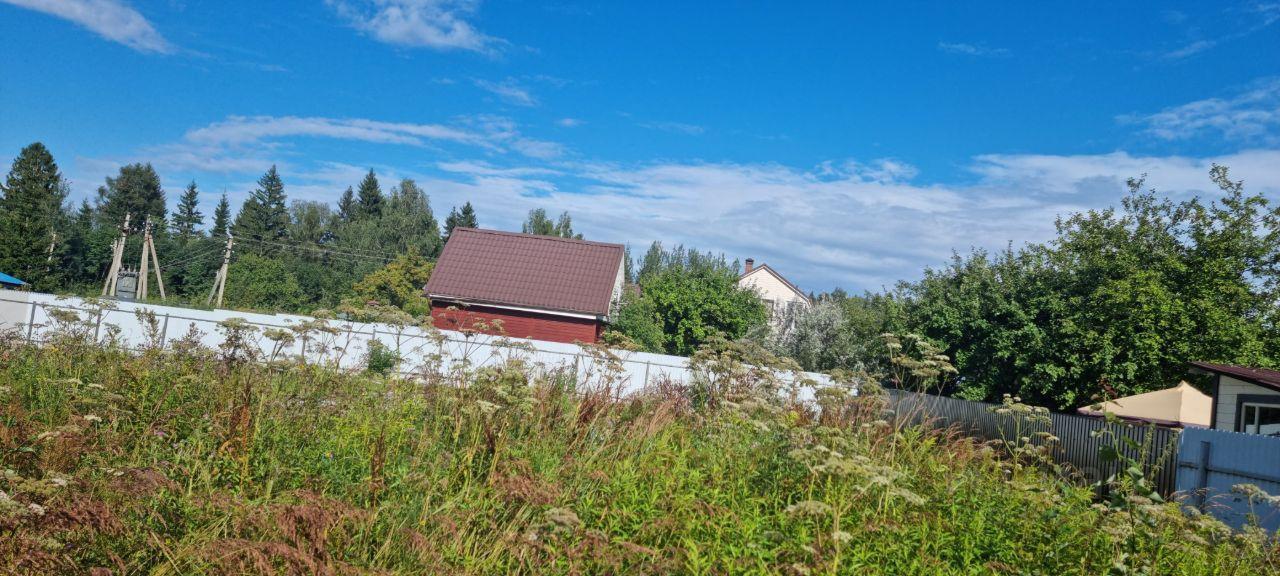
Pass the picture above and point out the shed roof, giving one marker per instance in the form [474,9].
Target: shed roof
[1181,405]
[8,280]
[1264,377]
[543,272]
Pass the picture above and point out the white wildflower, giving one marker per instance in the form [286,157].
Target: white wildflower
[93,418]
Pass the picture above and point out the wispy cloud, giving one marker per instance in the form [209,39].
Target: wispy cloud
[674,127]
[508,90]
[436,24]
[114,20]
[967,49]
[1252,116]
[1252,18]
[570,122]
[1189,50]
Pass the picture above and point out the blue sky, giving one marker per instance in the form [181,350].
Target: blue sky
[845,145]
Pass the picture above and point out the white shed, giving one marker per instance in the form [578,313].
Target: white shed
[1244,399]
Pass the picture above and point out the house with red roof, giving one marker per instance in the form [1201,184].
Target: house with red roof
[525,286]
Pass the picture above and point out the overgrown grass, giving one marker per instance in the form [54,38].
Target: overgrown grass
[187,462]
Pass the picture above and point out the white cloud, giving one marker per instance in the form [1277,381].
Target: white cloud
[971,49]
[1190,49]
[570,122]
[111,19]
[509,90]
[860,225]
[243,129]
[853,223]
[437,24]
[674,127]
[1250,116]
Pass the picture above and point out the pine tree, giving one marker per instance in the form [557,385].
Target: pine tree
[30,212]
[135,190]
[264,215]
[466,218]
[369,196]
[347,206]
[187,221]
[221,217]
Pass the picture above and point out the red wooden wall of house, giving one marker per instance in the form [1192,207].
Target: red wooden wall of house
[517,324]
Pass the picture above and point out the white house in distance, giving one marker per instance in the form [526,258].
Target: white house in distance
[783,298]
[1244,399]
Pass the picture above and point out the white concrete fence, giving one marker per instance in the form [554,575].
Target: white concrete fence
[342,343]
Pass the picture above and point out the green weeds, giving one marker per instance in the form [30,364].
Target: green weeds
[191,461]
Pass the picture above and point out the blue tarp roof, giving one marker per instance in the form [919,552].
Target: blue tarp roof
[10,280]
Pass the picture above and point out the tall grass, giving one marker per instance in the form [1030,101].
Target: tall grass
[191,461]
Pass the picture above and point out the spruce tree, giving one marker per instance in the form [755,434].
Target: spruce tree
[466,218]
[221,217]
[370,196]
[264,215]
[187,221]
[347,206]
[135,190]
[30,211]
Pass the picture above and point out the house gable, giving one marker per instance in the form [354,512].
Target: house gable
[772,285]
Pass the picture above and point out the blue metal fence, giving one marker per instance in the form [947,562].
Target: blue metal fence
[1212,462]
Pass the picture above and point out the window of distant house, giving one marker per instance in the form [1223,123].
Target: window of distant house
[1260,419]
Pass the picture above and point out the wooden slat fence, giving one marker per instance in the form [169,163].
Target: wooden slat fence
[1078,446]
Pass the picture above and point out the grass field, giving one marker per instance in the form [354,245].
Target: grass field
[191,461]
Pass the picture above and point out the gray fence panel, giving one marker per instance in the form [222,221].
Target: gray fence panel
[1213,461]
[1078,446]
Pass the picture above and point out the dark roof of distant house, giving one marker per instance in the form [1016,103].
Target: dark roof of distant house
[8,280]
[1264,377]
[543,272]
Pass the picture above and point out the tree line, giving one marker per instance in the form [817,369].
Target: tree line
[1115,304]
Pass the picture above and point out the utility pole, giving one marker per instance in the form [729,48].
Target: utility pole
[142,266]
[155,260]
[220,280]
[49,261]
[148,256]
[117,252]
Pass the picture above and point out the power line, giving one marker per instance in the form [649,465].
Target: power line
[319,249]
[192,258]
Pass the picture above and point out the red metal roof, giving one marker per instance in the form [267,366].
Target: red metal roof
[543,272]
[1261,376]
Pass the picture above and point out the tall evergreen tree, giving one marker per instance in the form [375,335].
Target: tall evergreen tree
[79,259]
[187,221]
[264,215]
[465,218]
[135,190]
[347,206]
[30,212]
[221,217]
[369,196]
